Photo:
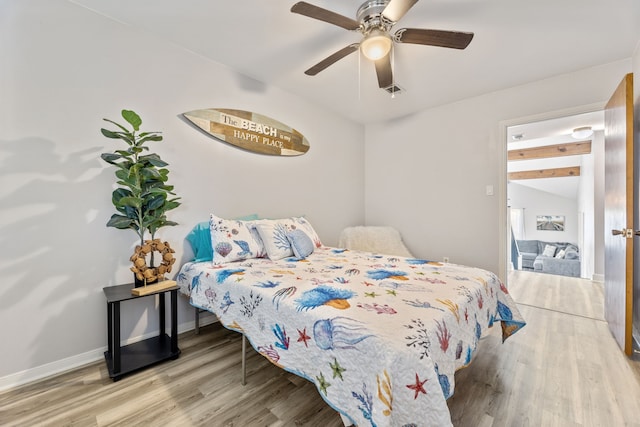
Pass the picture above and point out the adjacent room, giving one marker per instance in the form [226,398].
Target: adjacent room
[183,186]
[555,171]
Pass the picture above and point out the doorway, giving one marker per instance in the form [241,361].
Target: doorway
[545,181]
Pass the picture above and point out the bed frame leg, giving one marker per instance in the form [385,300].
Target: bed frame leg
[244,347]
[244,360]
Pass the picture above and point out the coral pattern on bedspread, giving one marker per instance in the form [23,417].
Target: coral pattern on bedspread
[380,336]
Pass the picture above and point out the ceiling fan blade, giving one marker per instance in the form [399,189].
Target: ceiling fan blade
[315,12]
[396,9]
[452,39]
[384,71]
[332,59]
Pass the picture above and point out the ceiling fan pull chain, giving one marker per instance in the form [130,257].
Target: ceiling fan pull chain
[359,75]
[393,72]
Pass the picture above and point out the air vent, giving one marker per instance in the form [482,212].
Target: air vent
[394,89]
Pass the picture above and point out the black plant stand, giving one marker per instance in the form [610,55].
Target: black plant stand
[132,357]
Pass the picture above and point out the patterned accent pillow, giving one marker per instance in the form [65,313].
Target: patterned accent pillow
[301,243]
[549,251]
[233,240]
[273,233]
[200,239]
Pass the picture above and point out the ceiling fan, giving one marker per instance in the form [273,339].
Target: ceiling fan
[375,18]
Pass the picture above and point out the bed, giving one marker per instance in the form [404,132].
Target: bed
[380,336]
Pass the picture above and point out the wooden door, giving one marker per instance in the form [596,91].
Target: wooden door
[619,211]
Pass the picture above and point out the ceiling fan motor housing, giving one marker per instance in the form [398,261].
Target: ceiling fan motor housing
[370,16]
[375,18]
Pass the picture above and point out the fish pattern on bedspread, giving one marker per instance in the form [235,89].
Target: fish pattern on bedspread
[380,336]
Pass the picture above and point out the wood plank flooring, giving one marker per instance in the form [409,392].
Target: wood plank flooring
[563,369]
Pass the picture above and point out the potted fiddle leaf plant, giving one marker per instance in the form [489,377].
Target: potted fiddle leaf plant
[143,196]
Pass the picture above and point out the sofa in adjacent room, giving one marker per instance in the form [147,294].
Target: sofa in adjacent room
[560,258]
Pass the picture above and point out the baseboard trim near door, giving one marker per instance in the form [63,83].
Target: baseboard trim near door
[598,278]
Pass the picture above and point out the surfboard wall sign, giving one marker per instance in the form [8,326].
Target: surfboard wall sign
[250,131]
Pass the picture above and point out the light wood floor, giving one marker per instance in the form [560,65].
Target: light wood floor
[562,369]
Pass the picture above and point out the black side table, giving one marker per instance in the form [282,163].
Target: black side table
[127,359]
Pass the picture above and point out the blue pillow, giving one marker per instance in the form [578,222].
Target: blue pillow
[571,254]
[200,239]
[301,244]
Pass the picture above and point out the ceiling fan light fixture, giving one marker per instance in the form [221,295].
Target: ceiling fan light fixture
[376,44]
[582,132]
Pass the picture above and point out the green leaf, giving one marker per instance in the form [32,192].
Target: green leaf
[132,118]
[126,184]
[110,134]
[129,180]
[145,134]
[124,153]
[128,137]
[122,174]
[134,202]
[128,211]
[151,174]
[171,204]
[155,191]
[153,137]
[134,174]
[156,202]
[120,222]
[154,159]
[110,157]
[124,129]
[118,194]
[149,221]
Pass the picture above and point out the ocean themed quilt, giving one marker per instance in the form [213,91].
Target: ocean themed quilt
[380,336]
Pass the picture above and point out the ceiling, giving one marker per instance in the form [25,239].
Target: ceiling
[550,132]
[515,42]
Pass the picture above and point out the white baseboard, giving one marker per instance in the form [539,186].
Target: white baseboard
[49,369]
[598,278]
[69,363]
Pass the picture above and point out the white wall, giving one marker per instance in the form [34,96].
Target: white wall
[63,69]
[591,205]
[426,174]
[536,202]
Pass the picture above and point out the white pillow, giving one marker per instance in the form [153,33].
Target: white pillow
[549,251]
[273,233]
[560,254]
[233,240]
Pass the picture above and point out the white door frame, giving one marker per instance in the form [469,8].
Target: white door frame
[503,233]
